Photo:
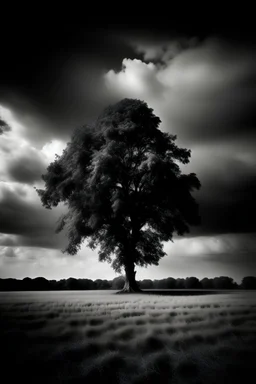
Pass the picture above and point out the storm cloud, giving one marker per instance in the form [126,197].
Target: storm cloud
[205,93]
[25,221]
[4,127]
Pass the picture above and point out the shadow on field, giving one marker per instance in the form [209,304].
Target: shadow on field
[184,292]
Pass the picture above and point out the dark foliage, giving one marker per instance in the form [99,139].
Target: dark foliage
[249,282]
[42,284]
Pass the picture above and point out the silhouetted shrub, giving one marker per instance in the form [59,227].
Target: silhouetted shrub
[223,282]
[146,284]
[207,283]
[249,282]
[180,284]
[192,283]
[118,282]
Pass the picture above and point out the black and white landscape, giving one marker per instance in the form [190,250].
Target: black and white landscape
[145,136]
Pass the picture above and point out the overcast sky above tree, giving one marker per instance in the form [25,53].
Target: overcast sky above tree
[200,80]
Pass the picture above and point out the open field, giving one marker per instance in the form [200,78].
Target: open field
[98,336]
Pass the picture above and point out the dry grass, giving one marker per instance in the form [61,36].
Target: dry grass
[97,336]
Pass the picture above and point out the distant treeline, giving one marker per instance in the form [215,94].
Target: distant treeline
[42,284]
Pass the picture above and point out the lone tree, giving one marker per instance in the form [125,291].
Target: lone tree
[123,188]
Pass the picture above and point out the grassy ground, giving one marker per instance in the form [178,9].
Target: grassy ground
[100,337]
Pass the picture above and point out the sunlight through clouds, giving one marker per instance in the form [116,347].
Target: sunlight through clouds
[52,148]
[135,78]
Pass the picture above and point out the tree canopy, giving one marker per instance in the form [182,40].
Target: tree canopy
[122,184]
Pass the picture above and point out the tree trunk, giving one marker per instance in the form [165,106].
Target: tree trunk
[130,285]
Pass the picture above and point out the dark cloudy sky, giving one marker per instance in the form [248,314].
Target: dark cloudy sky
[199,78]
